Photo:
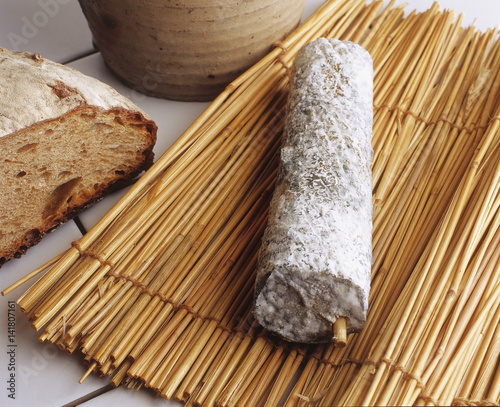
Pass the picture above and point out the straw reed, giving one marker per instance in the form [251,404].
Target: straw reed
[159,293]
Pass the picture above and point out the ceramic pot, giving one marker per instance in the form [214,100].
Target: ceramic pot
[186,49]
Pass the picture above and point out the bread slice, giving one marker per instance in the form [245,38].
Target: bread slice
[65,140]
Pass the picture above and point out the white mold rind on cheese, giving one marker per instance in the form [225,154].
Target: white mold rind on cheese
[316,255]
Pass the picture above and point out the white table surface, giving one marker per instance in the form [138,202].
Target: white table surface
[57,30]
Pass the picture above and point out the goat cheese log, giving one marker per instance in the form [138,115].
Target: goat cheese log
[316,255]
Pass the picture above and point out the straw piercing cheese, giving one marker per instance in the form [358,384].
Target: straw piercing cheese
[316,255]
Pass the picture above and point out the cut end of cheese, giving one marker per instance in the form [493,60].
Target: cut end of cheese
[311,301]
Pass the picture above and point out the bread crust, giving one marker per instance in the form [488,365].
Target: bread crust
[39,93]
[39,89]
